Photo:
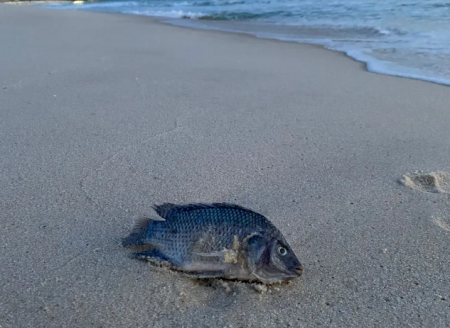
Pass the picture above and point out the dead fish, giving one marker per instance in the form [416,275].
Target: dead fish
[215,241]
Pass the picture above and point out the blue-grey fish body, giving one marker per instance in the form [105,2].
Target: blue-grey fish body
[215,240]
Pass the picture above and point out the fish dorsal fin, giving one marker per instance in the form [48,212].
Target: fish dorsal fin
[166,210]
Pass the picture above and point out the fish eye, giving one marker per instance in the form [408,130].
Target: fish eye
[282,250]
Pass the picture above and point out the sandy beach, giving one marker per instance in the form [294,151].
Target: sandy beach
[102,116]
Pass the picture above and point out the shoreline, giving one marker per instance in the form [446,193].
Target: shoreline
[105,115]
[167,20]
[365,64]
[372,67]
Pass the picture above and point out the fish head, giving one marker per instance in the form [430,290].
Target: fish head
[271,259]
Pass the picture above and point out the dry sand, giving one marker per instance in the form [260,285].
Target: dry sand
[102,116]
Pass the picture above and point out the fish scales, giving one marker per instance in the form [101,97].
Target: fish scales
[215,240]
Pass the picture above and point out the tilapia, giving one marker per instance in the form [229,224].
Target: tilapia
[216,240]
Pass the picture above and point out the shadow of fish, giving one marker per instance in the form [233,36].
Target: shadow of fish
[215,241]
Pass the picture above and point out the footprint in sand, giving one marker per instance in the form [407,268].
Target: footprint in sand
[434,182]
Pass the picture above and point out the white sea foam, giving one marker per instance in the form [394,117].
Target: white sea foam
[395,69]
[166,14]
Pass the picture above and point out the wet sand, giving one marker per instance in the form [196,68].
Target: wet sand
[102,116]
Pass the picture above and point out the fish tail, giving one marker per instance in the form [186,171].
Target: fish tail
[138,235]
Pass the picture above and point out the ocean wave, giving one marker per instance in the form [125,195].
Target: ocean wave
[226,15]
[440,5]
[220,16]
[167,14]
[221,3]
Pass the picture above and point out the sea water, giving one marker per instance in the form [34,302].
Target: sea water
[409,38]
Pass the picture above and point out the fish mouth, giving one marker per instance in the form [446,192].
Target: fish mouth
[298,270]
